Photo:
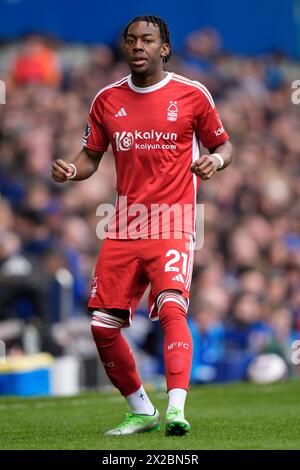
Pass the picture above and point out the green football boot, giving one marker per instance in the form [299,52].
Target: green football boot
[135,423]
[176,424]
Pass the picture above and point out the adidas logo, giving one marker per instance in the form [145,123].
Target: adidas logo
[121,113]
[179,278]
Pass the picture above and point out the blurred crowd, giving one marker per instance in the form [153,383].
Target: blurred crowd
[245,297]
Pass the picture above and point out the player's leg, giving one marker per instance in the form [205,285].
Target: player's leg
[178,350]
[169,268]
[114,351]
[117,287]
[120,367]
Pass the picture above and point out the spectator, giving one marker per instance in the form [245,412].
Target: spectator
[36,63]
[208,335]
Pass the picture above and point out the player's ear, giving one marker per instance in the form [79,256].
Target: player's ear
[165,50]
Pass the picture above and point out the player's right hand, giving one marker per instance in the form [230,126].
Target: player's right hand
[61,171]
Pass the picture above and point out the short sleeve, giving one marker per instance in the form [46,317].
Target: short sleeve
[95,137]
[208,126]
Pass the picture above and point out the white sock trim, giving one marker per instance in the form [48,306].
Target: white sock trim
[103,325]
[169,296]
[106,320]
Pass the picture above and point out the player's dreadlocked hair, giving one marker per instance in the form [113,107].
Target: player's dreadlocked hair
[157,21]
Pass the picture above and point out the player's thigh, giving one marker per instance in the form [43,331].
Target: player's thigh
[118,279]
[169,264]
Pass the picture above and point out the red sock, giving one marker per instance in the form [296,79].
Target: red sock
[117,359]
[178,346]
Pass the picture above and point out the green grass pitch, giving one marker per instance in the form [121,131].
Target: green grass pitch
[235,416]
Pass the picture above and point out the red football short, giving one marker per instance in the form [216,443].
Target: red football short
[125,268]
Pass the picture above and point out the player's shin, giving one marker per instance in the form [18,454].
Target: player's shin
[178,350]
[118,361]
[178,347]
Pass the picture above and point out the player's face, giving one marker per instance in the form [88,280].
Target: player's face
[144,48]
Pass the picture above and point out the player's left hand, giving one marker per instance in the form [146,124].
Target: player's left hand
[205,167]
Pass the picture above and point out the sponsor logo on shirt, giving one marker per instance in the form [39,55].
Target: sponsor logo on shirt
[126,140]
[219,131]
[121,113]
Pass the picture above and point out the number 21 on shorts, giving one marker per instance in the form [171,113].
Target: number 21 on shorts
[176,258]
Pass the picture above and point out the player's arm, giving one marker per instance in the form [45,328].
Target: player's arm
[218,159]
[82,167]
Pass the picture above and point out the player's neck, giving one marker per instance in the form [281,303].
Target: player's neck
[143,81]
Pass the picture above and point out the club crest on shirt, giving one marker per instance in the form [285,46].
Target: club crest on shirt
[172,111]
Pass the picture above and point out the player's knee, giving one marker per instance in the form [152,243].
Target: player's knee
[171,305]
[105,327]
[104,338]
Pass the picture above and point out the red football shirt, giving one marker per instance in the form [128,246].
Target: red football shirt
[155,133]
